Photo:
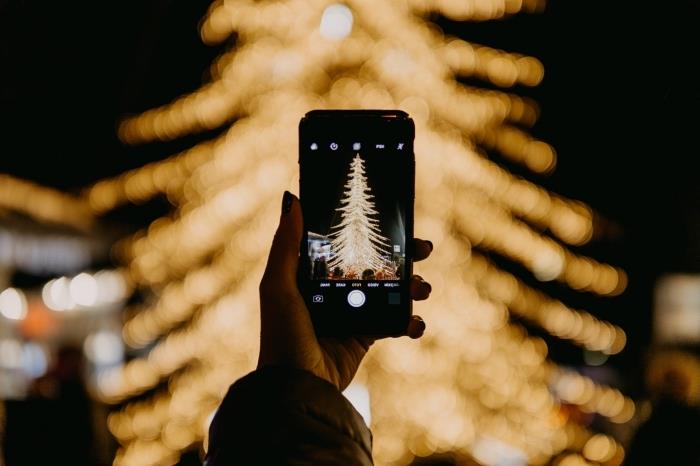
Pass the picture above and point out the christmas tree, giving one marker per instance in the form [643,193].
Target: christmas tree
[479,382]
[357,244]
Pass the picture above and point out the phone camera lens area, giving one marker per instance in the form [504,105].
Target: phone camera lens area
[334,146]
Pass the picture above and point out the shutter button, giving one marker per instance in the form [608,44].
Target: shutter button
[356,298]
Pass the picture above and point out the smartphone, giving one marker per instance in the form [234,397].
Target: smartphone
[356,187]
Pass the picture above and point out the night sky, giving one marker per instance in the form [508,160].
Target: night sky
[619,103]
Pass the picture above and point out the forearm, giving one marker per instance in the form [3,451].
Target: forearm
[282,415]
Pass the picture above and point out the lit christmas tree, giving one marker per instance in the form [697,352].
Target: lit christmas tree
[357,243]
[478,383]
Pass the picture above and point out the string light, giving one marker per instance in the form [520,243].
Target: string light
[476,378]
[85,291]
[518,146]
[47,205]
[473,10]
[141,184]
[500,68]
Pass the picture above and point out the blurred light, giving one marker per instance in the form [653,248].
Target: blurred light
[677,309]
[573,459]
[104,348]
[83,289]
[13,304]
[208,419]
[600,448]
[47,204]
[34,360]
[42,254]
[336,22]
[10,354]
[111,286]
[594,358]
[548,265]
[493,452]
[358,395]
[477,381]
[39,324]
[56,295]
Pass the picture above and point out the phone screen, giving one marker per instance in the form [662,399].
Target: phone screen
[356,192]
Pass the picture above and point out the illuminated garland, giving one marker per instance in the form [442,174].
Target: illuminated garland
[475,377]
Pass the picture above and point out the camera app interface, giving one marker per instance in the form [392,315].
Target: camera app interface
[355,216]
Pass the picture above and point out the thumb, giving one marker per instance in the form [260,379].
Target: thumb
[282,263]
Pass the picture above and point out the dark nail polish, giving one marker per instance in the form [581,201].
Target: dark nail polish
[421,325]
[430,287]
[430,244]
[287,202]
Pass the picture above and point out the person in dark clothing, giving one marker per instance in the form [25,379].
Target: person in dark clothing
[290,410]
[54,424]
[669,436]
[320,268]
[368,274]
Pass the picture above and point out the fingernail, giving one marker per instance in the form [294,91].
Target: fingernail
[421,325]
[430,243]
[287,202]
[430,287]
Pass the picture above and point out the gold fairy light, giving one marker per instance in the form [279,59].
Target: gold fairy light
[476,379]
[44,204]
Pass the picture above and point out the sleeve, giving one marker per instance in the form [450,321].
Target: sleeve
[287,416]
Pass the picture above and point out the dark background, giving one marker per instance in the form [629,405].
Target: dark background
[619,103]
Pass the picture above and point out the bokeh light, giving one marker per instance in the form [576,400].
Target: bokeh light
[336,22]
[479,382]
[13,304]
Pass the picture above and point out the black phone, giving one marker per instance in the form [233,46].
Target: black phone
[356,187]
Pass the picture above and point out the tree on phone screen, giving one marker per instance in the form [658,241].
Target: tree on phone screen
[357,245]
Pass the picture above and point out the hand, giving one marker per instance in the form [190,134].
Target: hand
[287,334]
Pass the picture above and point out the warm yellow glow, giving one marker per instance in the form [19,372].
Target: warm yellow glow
[573,460]
[575,388]
[476,376]
[600,448]
[475,10]
[143,183]
[520,147]
[44,204]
